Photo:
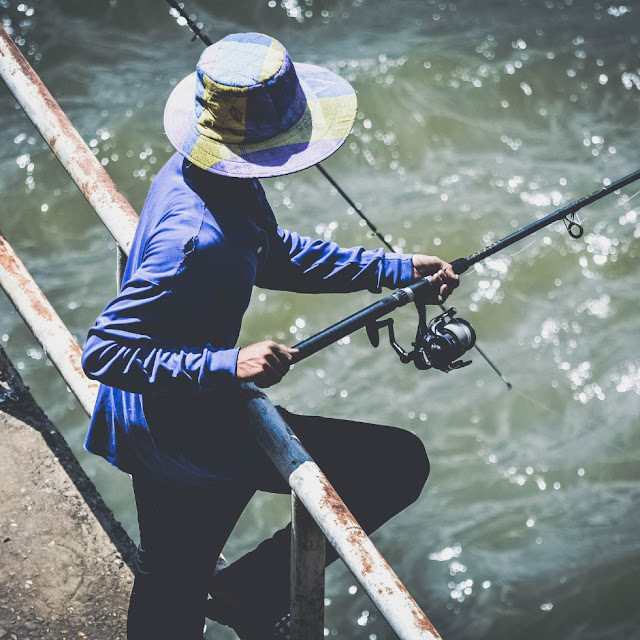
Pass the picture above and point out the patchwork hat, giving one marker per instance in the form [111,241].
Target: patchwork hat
[249,112]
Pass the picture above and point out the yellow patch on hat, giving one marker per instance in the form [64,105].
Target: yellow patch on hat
[205,156]
[224,117]
[332,110]
[272,61]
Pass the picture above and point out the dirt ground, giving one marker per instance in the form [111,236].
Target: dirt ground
[64,561]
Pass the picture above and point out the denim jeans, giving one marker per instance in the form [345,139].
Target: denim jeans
[377,470]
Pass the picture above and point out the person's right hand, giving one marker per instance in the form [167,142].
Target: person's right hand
[264,363]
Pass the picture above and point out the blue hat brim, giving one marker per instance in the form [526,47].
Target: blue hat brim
[321,130]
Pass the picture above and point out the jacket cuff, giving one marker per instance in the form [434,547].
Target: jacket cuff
[398,270]
[221,365]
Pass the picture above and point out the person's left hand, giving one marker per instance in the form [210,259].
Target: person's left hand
[444,279]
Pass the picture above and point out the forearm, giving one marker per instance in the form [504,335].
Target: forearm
[134,343]
[142,366]
[305,265]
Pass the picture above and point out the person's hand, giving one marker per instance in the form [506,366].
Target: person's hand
[444,279]
[264,363]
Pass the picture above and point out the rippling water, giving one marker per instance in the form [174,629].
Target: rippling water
[474,119]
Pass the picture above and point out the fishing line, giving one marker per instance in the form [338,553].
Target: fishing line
[354,206]
[535,402]
[606,443]
[580,221]
[627,200]
[196,27]
[595,434]
[511,255]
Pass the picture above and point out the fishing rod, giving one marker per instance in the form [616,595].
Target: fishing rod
[179,11]
[440,343]
[195,27]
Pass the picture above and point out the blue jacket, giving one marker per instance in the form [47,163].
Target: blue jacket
[164,349]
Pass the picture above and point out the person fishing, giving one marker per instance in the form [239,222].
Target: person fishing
[169,411]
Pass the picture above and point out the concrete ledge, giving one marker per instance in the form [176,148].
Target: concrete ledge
[65,563]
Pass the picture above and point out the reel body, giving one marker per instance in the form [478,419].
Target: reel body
[438,343]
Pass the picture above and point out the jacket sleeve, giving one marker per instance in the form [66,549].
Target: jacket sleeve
[132,345]
[301,264]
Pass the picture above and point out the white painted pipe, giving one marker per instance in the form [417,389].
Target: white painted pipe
[72,151]
[58,343]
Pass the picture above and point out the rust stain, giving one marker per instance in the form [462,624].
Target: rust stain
[42,310]
[75,356]
[98,178]
[12,265]
[357,539]
[422,622]
[39,305]
[367,567]
[332,501]
[356,536]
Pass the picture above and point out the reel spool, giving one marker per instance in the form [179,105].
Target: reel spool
[438,345]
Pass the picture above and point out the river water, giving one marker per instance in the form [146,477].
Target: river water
[474,119]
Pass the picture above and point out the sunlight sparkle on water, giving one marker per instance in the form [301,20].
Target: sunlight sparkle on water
[601,247]
[616,12]
[580,374]
[598,307]
[631,80]
[541,200]
[589,392]
[460,590]
[629,380]
[629,217]
[446,554]
[363,619]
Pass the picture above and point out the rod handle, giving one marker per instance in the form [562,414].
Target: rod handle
[460,265]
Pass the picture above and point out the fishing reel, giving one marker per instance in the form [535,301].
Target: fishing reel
[438,344]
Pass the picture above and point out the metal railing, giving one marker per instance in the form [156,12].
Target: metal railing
[317,510]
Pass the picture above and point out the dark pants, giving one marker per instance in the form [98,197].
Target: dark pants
[377,470]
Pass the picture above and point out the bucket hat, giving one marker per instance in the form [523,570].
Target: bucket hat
[249,112]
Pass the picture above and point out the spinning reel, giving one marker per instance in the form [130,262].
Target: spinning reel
[438,343]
